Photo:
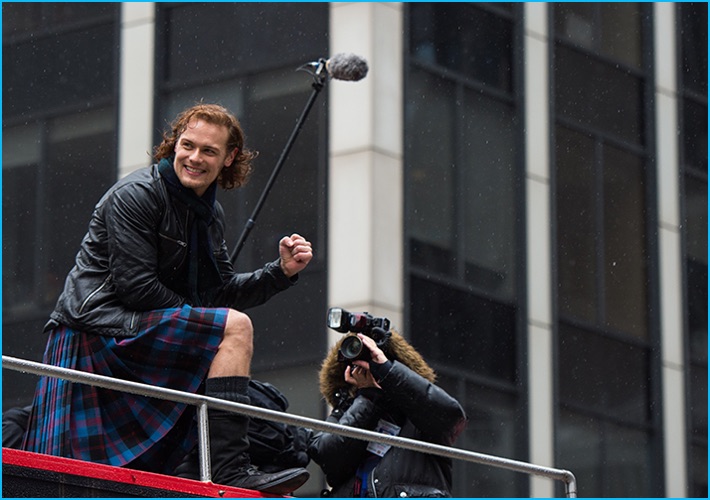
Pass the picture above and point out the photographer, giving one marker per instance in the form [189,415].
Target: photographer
[390,389]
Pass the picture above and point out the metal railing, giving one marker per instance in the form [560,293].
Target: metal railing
[203,402]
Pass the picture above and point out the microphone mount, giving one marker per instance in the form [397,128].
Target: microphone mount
[318,70]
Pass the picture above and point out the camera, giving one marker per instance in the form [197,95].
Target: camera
[352,348]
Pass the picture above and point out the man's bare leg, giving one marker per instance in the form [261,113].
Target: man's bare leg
[235,351]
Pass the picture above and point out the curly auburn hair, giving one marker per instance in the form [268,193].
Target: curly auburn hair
[238,172]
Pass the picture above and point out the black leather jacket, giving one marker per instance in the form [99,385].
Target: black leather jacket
[423,410]
[134,259]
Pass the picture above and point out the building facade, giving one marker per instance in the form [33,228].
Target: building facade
[520,187]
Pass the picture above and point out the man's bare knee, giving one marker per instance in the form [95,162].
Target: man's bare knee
[239,331]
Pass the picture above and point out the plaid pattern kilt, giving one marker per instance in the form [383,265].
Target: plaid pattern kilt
[173,349]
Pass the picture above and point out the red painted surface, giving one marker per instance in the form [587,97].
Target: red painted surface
[122,475]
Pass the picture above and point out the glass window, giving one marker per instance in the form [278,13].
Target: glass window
[30,19]
[695,134]
[19,234]
[462,171]
[462,187]
[611,376]
[601,238]
[465,38]
[599,96]
[492,430]
[80,167]
[430,133]
[59,70]
[610,460]
[609,30]
[488,189]
[576,250]
[458,329]
[241,38]
[693,87]
[699,472]
[696,216]
[604,335]
[624,235]
[694,53]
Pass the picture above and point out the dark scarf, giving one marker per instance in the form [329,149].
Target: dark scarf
[201,263]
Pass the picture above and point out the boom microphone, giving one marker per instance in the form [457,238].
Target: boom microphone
[341,66]
[347,67]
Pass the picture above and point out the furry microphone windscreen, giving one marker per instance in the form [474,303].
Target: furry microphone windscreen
[348,67]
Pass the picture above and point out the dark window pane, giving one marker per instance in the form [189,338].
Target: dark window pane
[597,95]
[576,234]
[22,338]
[463,173]
[461,330]
[493,430]
[488,163]
[696,217]
[19,213]
[20,18]
[208,40]
[625,257]
[608,460]
[604,375]
[80,168]
[56,72]
[579,448]
[430,121]
[699,401]
[611,29]
[693,25]
[698,309]
[695,134]
[699,478]
[464,38]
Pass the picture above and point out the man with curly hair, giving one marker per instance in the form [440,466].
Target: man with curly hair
[153,298]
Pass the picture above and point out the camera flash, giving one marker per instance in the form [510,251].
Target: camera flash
[335,318]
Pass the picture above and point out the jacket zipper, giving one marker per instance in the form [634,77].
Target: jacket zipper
[181,243]
[92,294]
[372,484]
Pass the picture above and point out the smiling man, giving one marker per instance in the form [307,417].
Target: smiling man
[153,298]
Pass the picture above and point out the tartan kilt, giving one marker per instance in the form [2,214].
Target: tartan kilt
[174,348]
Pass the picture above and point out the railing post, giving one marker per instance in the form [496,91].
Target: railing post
[570,485]
[203,442]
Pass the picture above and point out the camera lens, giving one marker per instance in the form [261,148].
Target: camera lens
[352,347]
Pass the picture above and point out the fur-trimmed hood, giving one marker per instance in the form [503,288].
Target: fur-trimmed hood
[332,373]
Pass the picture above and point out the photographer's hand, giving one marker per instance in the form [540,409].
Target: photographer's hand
[359,375]
[376,353]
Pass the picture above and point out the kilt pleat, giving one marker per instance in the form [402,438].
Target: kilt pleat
[173,349]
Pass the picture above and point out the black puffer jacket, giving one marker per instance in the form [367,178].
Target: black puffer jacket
[134,259]
[408,399]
